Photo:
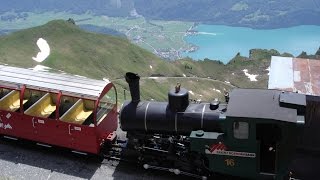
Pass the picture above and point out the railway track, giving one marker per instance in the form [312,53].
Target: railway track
[25,160]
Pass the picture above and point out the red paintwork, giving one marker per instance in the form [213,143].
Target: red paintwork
[108,125]
[59,133]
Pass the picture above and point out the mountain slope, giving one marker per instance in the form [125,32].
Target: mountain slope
[79,52]
[98,56]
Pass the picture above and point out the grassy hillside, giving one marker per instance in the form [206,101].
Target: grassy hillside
[79,52]
[231,72]
[100,56]
[157,89]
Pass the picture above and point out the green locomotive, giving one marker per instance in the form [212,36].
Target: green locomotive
[253,135]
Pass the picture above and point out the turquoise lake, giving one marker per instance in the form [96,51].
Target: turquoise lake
[218,42]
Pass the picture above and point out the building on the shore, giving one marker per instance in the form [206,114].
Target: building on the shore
[301,76]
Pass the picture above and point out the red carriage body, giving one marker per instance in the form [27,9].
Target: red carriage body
[56,109]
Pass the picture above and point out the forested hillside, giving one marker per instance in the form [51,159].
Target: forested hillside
[251,13]
[99,7]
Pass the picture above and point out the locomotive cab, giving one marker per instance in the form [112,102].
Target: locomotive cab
[261,130]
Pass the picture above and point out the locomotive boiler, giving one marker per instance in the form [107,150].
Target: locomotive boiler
[252,136]
[177,116]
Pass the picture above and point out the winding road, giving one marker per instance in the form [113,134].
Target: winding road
[194,78]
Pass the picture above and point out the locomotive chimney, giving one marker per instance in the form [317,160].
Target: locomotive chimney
[133,81]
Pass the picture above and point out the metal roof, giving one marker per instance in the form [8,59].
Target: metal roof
[67,84]
[295,74]
[262,104]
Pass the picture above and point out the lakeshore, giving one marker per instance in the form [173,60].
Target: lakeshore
[217,42]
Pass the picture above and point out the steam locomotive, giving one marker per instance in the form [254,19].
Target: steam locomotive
[252,135]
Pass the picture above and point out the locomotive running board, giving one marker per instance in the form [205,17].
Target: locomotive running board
[175,171]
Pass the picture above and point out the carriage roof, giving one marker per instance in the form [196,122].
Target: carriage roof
[53,82]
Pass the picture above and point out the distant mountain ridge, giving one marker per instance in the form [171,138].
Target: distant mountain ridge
[99,7]
[249,13]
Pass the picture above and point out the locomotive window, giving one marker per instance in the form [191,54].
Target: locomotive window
[241,130]
[106,104]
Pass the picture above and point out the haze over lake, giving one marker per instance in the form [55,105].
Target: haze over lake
[224,42]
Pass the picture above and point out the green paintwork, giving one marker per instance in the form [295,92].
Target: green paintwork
[248,167]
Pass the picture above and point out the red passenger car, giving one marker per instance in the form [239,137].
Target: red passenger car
[56,109]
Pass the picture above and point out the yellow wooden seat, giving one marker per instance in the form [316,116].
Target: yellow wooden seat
[44,107]
[77,113]
[11,101]
[82,116]
[48,110]
[15,105]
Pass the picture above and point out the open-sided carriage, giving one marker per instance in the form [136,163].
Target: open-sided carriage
[57,109]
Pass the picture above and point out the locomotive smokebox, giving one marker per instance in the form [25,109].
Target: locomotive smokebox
[133,81]
[178,99]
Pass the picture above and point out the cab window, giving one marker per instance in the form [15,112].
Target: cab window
[241,130]
[106,104]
